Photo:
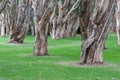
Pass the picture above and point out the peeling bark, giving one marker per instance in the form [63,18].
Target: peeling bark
[64,24]
[20,19]
[95,25]
[42,12]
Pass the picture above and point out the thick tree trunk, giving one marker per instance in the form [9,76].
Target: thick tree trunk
[42,12]
[13,18]
[118,21]
[20,27]
[94,28]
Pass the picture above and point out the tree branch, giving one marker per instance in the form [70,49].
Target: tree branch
[71,10]
[2,5]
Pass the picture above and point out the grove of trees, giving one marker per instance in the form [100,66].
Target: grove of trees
[61,19]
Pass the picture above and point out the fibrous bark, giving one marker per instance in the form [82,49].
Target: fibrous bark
[19,20]
[42,12]
[66,23]
[95,18]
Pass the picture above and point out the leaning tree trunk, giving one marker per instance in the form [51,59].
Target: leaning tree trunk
[94,28]
[118,21]
[42,12]
[26,21]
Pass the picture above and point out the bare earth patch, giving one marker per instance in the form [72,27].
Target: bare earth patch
[13,43]
[77,64]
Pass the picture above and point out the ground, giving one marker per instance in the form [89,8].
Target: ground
[18,63]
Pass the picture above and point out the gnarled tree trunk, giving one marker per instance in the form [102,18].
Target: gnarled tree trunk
[95,18]
[19,20]
[42,12]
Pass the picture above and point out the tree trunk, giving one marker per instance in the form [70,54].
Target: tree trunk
[21,19]
[62,25]
[2,7]
[7,20]
[42,12]
[118,21]
[13,18]
[3,26]
[113,25]
[32,28]
[94,28]
[3,4]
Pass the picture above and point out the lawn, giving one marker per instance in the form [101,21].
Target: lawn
[18,63]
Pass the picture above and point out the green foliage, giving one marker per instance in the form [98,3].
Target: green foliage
[18,63]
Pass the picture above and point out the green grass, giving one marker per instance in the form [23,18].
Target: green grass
[18,63]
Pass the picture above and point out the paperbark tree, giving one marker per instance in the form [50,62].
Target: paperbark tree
[7,19]
[3,4]
[118,21]
[3,34]
[20,17]
[113,25]
[42,12]
[5,22]
[95,18]
[66,23]
[2,7]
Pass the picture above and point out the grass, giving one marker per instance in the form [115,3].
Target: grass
[18,63]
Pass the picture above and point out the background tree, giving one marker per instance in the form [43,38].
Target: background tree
[2,7]
[19,20]
[118,21]
[42,12]
[3,34]
[64,21]
[3,4]
[95,17]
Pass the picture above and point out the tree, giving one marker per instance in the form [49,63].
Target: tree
[64,21]
[113,25]
[95,17]
[3,25]
[19,20]
[5,21]
[118,21]
[2,7]
[42,12]
[3,4]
